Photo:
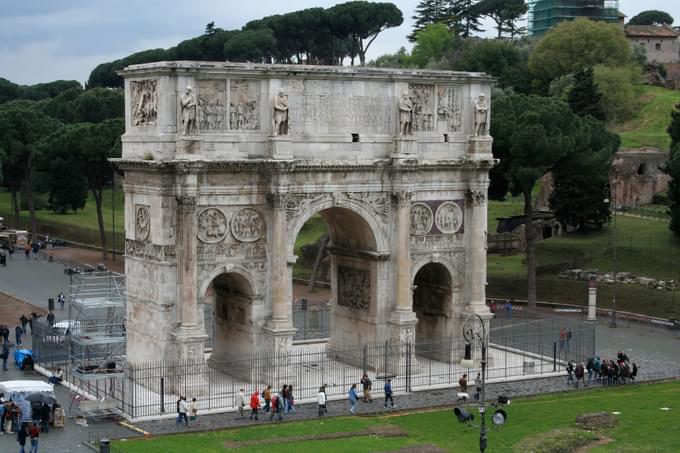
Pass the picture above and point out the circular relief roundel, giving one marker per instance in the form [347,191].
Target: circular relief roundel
[247,225]
[212,225]
[142,223]
[421,219]
[449,217]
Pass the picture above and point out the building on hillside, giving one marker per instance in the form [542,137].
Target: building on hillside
[661,43]
[545,14]
[637,175]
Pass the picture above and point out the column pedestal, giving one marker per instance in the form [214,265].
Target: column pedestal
[189,345]
[480,145]
[188,147]
[405,147]
[592,301]
[281,147]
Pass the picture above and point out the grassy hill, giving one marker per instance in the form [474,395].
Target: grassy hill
[648,127]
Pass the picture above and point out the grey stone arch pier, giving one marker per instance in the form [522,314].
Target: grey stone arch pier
[220,177]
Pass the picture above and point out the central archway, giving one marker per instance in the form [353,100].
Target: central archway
[351,253]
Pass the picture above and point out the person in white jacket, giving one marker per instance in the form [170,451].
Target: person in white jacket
[321,396]
[241,401]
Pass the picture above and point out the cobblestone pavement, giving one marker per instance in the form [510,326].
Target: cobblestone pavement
[654,349]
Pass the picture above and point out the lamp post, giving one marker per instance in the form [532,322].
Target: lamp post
[611,197]
[474,328]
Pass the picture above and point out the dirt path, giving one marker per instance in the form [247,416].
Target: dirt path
[12,308]
[597,443]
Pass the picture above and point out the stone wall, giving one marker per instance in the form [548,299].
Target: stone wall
[636,176]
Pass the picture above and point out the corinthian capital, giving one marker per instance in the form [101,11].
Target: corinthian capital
[186,203]
[277,200]
[402,197]
[475,197]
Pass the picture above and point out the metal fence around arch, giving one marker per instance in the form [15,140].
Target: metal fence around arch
[518,347]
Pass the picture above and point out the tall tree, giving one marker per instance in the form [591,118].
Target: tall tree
[466,16]
[578,180]
[584,96]
[674,127]
[22,127]
[673,170]
[505,60]
[362,22]
[651,17]
[432,44]
[505,13]
[531,136]
[429,12]
[563,49]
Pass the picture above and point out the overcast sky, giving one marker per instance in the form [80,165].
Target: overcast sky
[44,40]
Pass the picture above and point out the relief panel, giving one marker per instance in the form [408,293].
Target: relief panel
[450,108]
[423,107]
[212,101]
[244,105]
[354,288]
[144,102]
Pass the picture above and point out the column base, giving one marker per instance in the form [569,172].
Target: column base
[480,146]
[281,147]
[189,342]
[189,346]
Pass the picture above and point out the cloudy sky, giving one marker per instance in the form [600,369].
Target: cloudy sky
[44,40]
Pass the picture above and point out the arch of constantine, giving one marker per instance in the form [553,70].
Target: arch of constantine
[225,162]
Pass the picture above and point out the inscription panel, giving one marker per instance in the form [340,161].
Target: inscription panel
[323,106]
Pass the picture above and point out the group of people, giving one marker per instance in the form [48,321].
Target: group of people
[463,385]
[367,387]
[603,371]
[267,401]
[26,420]
[184,409]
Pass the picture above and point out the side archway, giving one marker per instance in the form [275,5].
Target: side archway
[433,302]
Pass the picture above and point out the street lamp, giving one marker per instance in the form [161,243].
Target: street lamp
[611,196]
[474,328]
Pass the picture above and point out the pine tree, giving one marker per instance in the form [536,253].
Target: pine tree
[429,12]
[466,15]
[674,128]
[584,97]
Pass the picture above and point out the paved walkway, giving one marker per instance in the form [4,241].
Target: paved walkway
[655,350]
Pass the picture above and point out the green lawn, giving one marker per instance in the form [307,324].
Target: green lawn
[642,427]
[648,127]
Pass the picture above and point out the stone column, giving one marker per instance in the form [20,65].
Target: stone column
[280,329]
[190,337]
[475,234]
[403,318]
[592,301]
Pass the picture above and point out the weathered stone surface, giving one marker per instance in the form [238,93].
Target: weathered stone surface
[220,181]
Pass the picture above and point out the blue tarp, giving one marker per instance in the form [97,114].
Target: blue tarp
[20,355]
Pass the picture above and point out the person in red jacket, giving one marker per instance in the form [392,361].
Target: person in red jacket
[254,404]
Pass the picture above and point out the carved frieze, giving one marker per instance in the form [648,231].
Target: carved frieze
[186,203]
[449,217]
[142,222]
[437,242]
[247,225]
[423,107]
[299,203]
[354,288]
[144,102]
[212,99]
[244,109]
[222,250]
[212,225]
[421,219]
[149,251]
[450,107]
[377,202]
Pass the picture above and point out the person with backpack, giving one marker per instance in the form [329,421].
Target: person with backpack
[290,400]
[34,434]
[21,438]
[182,411]
[267,397]
[321,400]
[277,406]
[353,398]
[254,404]
[388,393]
[367,384]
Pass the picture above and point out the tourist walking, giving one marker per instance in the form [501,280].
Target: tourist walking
[367,384]
[478,386]
[321,400]
[2,414]
[193,409]
[24,321]
[18,332]
[570,372]
[5,334]
[388,393]
[254,404]
[353,398]
[290,400]
[182,411]
[34,434]
[61,299]
[4,355]
[267,396]
[45,411]
[325,405]
[580,373]
[241,401]
[277,406]
[462,383]
[50,319]
[21,438]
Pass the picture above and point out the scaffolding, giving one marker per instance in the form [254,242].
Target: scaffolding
[97,325]
[545,14]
